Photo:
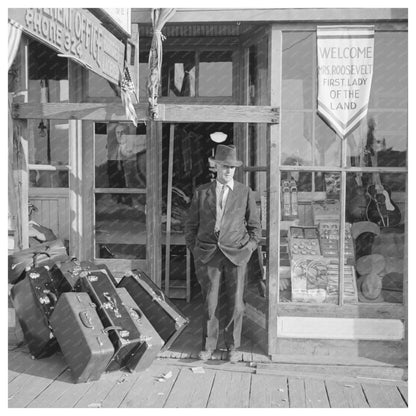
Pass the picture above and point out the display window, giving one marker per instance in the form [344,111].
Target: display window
[343,203]
[120,190]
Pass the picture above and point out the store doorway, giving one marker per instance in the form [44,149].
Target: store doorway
[186,148]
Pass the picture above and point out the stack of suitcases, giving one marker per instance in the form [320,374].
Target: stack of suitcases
[99,325]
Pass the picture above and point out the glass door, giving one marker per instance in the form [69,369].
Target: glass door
[120,196]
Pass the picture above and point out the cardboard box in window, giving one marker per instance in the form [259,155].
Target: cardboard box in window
[324,211]
[315,280]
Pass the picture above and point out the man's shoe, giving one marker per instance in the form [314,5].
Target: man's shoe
[234,356]
[205,355]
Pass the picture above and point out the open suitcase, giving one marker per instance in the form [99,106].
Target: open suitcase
[34,299]
[122,327]
[164,316]
[85,344]
[151,344]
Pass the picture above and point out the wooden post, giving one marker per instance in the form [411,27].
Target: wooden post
[88,185]
[169,208]
[75,189]
[273,240]
[153,199]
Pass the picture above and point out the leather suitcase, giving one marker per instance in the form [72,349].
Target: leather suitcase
[34,299]
[67,273]
[164,316]
[151,344]
[122,329]
[47,255]
[84,342]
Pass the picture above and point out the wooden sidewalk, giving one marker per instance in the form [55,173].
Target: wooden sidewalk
[176,383]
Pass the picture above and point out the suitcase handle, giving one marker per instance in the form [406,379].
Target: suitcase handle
[86,319]
[37,254]
[112,328]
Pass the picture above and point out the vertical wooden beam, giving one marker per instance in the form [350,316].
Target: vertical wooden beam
[21,181]
[88,186]
[273,240]
[343,194]
[169,208]
[154,199]
[75,189]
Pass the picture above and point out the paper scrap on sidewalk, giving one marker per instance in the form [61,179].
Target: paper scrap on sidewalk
[94,405]
[198,370]
[165,377]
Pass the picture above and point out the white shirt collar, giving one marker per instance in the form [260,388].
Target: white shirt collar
[229,184]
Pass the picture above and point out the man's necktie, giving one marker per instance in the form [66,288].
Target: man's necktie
[222,197]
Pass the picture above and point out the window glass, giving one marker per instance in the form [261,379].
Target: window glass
[120,225]
[215,74]
[178,74]
[297,70]
[296,138]
[120,155]
[390,79]
[48,145]
[327,149]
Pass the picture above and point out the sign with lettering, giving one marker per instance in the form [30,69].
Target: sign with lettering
[76,34]
[345,72]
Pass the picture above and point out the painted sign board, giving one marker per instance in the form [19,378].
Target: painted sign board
[77,34]
[122,17]
[345,72]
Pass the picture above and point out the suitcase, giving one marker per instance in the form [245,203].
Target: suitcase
[51,252]
[84,342]
[34,299]
[151,344]
[66,274]
[164,316]
[122,329]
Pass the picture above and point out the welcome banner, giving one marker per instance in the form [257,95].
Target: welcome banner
[345,72]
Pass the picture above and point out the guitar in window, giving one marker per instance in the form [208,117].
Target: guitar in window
[381,209]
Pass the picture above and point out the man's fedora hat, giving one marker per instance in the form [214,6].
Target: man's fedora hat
[226,155]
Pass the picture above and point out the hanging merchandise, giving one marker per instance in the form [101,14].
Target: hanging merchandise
[285,200]
[293,198]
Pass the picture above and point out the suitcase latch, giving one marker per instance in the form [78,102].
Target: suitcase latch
[34,275]
[91,278]
[44,300]
[124,333]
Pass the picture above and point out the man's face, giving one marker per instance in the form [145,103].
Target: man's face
[225,173]
[119,133]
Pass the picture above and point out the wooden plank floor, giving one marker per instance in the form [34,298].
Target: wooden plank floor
[170,383]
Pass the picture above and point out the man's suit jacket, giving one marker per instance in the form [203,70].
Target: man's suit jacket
[240,229]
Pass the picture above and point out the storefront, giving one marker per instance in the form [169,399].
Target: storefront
[254,78]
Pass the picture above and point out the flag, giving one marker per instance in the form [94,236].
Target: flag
[127,92]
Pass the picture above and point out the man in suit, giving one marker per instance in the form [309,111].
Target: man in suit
[222,230]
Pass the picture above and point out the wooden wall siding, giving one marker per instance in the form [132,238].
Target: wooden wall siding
[53,213]
[262,15]
[197,30]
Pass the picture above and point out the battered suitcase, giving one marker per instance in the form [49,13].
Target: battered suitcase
[164,316]
[66,274]
[123,331]
[49,253]
[34,299]
[84,342]
[151,344]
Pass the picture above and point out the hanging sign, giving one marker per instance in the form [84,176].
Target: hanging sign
[75,34]
[345,71]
